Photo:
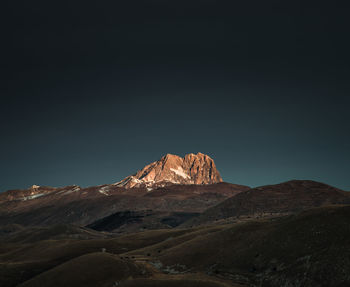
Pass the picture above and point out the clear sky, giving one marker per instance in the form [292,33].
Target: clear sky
[92,93]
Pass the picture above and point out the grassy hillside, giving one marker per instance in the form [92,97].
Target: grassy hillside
[32,257]
[311,248]
[94,269]
[273,200]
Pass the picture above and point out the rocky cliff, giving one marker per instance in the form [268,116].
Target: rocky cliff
[172,169]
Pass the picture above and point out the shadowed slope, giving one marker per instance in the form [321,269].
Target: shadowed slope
[54,232]
[94,269]
[309,249]
[172,283]
[288,197]
[84,206]
[20,261]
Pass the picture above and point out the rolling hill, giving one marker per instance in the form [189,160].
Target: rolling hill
[273,200]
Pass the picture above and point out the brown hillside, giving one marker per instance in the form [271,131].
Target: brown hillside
[271,200]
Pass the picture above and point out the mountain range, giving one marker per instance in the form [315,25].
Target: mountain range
[169,192]
[171,185]
[175,222]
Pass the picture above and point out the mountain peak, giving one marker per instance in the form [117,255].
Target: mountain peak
[173,169]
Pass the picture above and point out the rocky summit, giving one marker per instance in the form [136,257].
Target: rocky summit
[172,169]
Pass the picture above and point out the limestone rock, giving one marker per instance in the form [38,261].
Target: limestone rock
[172,169]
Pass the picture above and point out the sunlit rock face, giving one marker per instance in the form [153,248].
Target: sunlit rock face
[172,169]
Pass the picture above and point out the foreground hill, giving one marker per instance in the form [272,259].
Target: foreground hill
[94,269]
[273,200]
[308,249]
[23,259]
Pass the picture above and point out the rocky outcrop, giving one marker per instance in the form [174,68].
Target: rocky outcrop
[172,169]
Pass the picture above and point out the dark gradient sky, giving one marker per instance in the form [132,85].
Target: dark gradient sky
[92,93]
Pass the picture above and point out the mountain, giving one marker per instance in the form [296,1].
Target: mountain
[135,232]
[172,169]
[161,195]
[274,200]
[83,206]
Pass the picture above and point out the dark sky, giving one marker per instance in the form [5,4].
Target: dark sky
[91,93]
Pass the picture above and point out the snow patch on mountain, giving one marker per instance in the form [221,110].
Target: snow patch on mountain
[179,171]
[69,191]
[104,190]
[32,196]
